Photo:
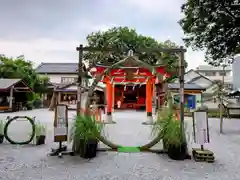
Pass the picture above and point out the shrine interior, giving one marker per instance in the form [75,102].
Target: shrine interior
[130,96]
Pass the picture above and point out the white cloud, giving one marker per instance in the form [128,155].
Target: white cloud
[169,8]
[55,36]
[49,49]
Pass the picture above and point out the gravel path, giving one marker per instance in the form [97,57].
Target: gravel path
[31,162]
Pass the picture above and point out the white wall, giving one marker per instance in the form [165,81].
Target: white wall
[56,78]
[236,73]
[227,78]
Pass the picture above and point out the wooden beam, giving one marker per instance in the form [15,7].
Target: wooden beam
[187,91]
[147,50]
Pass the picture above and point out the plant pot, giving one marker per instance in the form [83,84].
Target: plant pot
[164,144]
[177,152]
[29,108]
[88,149]
[40,140]
[1,138]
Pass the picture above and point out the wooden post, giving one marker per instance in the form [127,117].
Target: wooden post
[221,98]
[11,98]
[75,145]
[181,89]
[79,84]
[59,98]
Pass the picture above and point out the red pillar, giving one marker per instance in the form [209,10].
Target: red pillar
[109,97]
[149,97]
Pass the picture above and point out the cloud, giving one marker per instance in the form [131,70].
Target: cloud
[49,31]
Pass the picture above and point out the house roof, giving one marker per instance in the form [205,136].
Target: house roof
[234,93]
[58,68]
[187,86]
[195,77]
[212,68]
[199,76]
[7,83]
[73,87]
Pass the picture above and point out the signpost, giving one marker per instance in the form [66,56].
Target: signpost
[60,123]
[60,128]
[201,135]
[200,128]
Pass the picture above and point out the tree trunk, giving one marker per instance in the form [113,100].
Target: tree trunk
[53,102]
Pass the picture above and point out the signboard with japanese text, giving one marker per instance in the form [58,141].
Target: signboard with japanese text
[200,127]
[61,123]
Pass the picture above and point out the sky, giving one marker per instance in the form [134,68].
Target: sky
[50,30]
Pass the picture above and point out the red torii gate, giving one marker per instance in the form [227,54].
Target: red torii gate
[131,71]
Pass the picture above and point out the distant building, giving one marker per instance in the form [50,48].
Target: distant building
[63,78]
[236,73]
[216,73]
[59,73]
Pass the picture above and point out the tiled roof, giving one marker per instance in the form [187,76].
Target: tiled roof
[57,68]
[187,86]
[212,68]
[7,83]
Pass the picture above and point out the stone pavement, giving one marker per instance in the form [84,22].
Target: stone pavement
[31,162]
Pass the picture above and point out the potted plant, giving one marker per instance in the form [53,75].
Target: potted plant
[160,126]
[175,140]
[40,134]
[168,127]
[2,124]
[86,133]
[29,105]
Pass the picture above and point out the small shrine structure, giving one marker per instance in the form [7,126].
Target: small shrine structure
[132,83]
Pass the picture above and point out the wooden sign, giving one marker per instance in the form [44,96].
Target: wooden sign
[200,127]
[61,123]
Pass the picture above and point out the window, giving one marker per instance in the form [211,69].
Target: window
[210,73]
[222,73]
[68,80]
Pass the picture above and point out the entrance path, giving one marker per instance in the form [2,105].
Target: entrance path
[31,162]
[128,130]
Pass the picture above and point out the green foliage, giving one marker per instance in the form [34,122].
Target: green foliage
[2,125]
[34,100]
[168,127]
[209,24]
[123,39]
[40,129]
[86,128]
[22,69]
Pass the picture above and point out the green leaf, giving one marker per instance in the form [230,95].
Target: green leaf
[209,25]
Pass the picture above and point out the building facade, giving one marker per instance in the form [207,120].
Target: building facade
[59,73]
[217,73]
[236,73]
[63,78]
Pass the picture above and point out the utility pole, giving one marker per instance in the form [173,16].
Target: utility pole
[221,97]
[79,82]
[181,89]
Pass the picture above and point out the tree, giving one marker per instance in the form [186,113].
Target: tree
[212,25]
[123,39]
[22,69]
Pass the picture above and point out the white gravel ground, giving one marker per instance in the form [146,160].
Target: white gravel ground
[31,162]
